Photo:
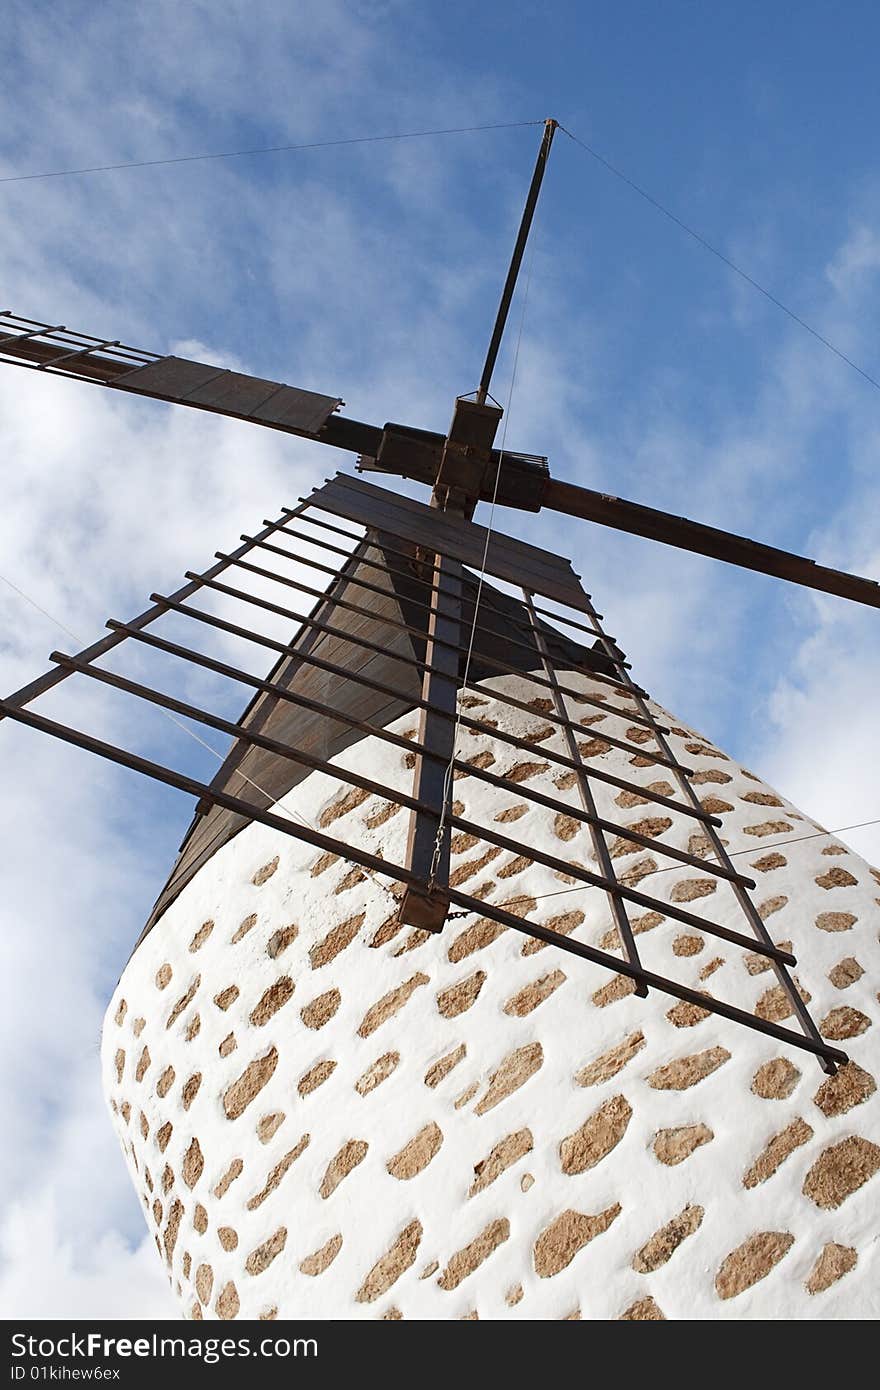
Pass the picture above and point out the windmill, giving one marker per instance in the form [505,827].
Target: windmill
[270,1121]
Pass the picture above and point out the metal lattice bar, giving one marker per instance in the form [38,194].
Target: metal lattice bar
[744,901]
[425,874]
[212,795]
[410,575]
[502,667]
[416,804]
[310,659]
[615,902]
[106,644]
[410,745]
[366,584]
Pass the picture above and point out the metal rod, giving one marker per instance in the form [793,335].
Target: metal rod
[34,333]
[600,848]
[516,260]
[707,540]
[402,554]
[284,693]
[503,668]
[384,868]
[77,352]
[659,982]
[160,773]
[54,677]
[394,570]
[746,905]
[424,604]
[287,649]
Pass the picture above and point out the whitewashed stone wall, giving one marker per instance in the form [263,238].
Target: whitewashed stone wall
[330,1116]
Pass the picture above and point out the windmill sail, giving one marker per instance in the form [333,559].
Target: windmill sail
[328,1112]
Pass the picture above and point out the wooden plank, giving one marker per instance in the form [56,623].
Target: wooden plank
[507,558]
[708,540]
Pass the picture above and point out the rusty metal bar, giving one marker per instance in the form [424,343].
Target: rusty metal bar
[407,574]
[407,745]
[408,876]
[700,539]
[479,908]
[503,669]
[389,549]
[384,868]
[367,584]
[603,858]
[78,352]
[746,905]
[50,679]
[597,774]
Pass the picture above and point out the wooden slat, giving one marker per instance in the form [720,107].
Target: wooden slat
[426,903]
[507,558]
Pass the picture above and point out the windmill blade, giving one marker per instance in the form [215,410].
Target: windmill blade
[59,351]
[707,540]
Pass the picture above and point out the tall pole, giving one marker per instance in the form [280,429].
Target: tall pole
[516,260]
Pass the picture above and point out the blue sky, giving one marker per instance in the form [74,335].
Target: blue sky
[647,370]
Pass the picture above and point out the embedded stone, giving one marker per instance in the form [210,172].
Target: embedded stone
[505,1153]
[559,1242]
[834,1262]
[315,1077]
[688,1071]
[458,998]
[751,1262]
[514,1071]
[850,1087]
[353,1152]
[395,1262]
[610,1062]
[775,1080]
[315,1264]
[417,1154]
[596,1137]
[844,1022]
[260,1259]
[193,1164]
[837,877]
[663,1243]
[320,1011]
[841,1170]
[673,1146]
[252,1080]
[845,973]
[390,1004]
[465,1261]
[836,921]
[266,872]
[273,999]
[441,1069]
[534,994]
[336,941]
[778,1149]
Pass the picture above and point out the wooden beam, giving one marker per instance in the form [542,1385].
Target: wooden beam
[426,903]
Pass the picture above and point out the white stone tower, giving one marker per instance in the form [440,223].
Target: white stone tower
[329,1115]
